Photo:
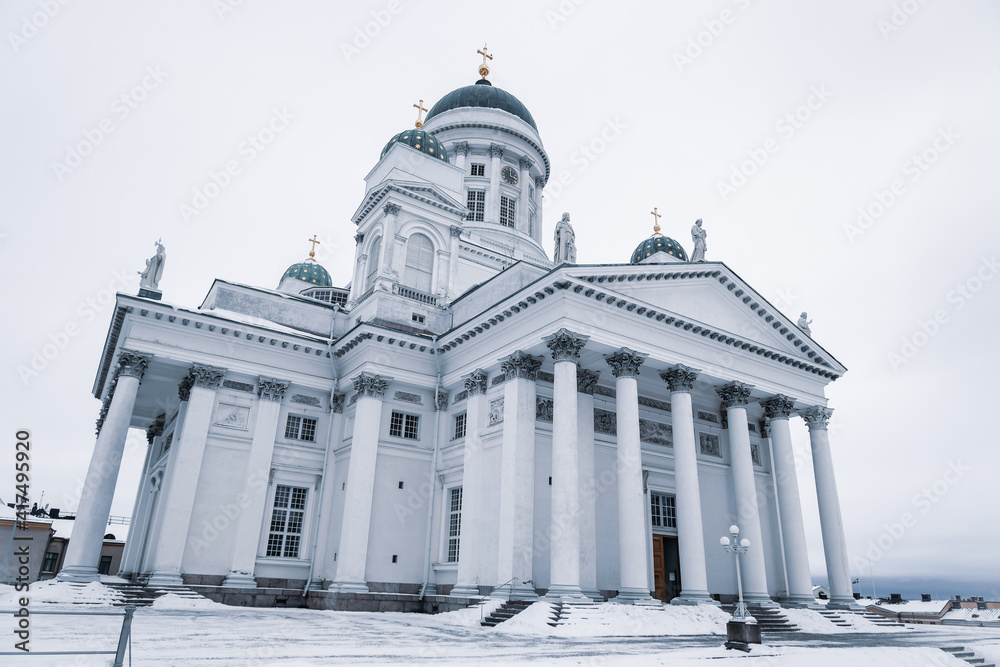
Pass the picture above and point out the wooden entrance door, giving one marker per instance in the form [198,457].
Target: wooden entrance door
[666,568]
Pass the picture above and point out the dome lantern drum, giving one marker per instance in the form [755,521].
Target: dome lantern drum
[419,140]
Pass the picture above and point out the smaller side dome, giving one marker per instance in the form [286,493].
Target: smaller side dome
[420,140]
[310,272]
[658,243]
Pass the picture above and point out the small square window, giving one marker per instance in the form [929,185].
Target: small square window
[478,169]
[418,318]
[460,426]
[402,425]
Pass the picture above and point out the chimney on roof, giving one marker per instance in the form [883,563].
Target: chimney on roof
[895,597]
[925,597]
[981,604]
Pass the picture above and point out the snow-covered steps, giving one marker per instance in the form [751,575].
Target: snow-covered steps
[877,619]
[770,619]
[507,610]
[143,596]
[967,655]
[835,618]
[567,610]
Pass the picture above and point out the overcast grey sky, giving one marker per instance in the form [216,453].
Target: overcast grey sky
[775,122]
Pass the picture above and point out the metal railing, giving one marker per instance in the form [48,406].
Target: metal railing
[124,639]
[416,295]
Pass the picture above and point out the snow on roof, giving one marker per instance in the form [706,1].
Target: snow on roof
[251,320]
[988,615]
[912,607]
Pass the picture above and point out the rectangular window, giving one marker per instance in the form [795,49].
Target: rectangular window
[300,428]
[105,566]
[508,211]
[663,511]
[285,537]
[402,425]
[460,426]
[478,169]
[476,203]
[454,524]
[49,564]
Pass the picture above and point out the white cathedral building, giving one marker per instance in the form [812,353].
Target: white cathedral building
[467,416]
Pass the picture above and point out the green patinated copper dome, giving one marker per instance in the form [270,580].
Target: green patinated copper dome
[422,141]
[310,272]
[482,94]
[658,243]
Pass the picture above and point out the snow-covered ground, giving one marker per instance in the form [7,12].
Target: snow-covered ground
[181,631]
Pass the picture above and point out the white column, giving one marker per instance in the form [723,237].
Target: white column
[456,232]
[493,196]
[564,528]
[358,284]
[352,558]
[777,409]
[387,265]
[323,566]
[140,510]
[255,488]
[84,552]
[517,476]
[471,535]
[830,519]
[690,530]
[178,495]
[736,395]
[460,151]
[632,518]
[585,381]
[539,185]
[523,206]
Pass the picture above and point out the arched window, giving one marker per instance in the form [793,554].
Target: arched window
[373,257]
[419,263]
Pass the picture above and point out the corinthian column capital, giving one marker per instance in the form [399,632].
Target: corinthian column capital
[625,363]
[778,406]
[369,385]
[496,150]
[132,363]
[679,378]
[565,345]
[475,382]
[521,365]
[735,394]
[206,377]
[271,389]
[817,417]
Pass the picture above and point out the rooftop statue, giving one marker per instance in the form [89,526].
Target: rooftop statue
[150,278]
[565,237]
[804,323]
[698,236]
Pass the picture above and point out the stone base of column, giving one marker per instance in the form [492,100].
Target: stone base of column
[798,602]
[79,574]
[694,597]
[559,592]
[164,579]
[465,591]
[636,596]
[842,602]
[236,580]
[349,587]
[760,599]
[593,594]
[520,592]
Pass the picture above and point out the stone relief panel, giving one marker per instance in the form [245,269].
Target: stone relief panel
[543,409]
[496,412]
[708,417]
[656,433]
[605,422]
[306,400]
[232,416]
[238,386]
[407,397]
[755,454]
[654,403]
[710,444]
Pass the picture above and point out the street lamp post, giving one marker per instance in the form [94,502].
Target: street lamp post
[742,630]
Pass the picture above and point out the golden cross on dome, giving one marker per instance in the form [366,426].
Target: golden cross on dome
[420,109]
[484,69]
[312,253]
[656,218]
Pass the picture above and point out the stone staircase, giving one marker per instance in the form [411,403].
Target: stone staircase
[506,611]
[835,618]
[770,619]
[563,611]
[878,619]
[143,596]
[969,656]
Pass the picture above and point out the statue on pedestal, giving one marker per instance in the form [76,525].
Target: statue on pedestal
[804,323]
[150,278]
[698,236]
[565,237]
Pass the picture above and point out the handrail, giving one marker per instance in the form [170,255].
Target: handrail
[123,639]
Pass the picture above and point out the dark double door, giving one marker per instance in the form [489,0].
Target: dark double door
[666,567]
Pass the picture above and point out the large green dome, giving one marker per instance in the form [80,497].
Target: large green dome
[482,94]
[309,272]
[420,140]
[658,243]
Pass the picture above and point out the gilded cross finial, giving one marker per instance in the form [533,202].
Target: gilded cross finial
[312,253]
[420,110]
[484,69]
[656,220]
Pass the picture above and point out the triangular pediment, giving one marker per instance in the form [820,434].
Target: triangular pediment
[708,297]
[421,191]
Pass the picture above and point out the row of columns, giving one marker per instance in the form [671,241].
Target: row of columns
[572,547]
